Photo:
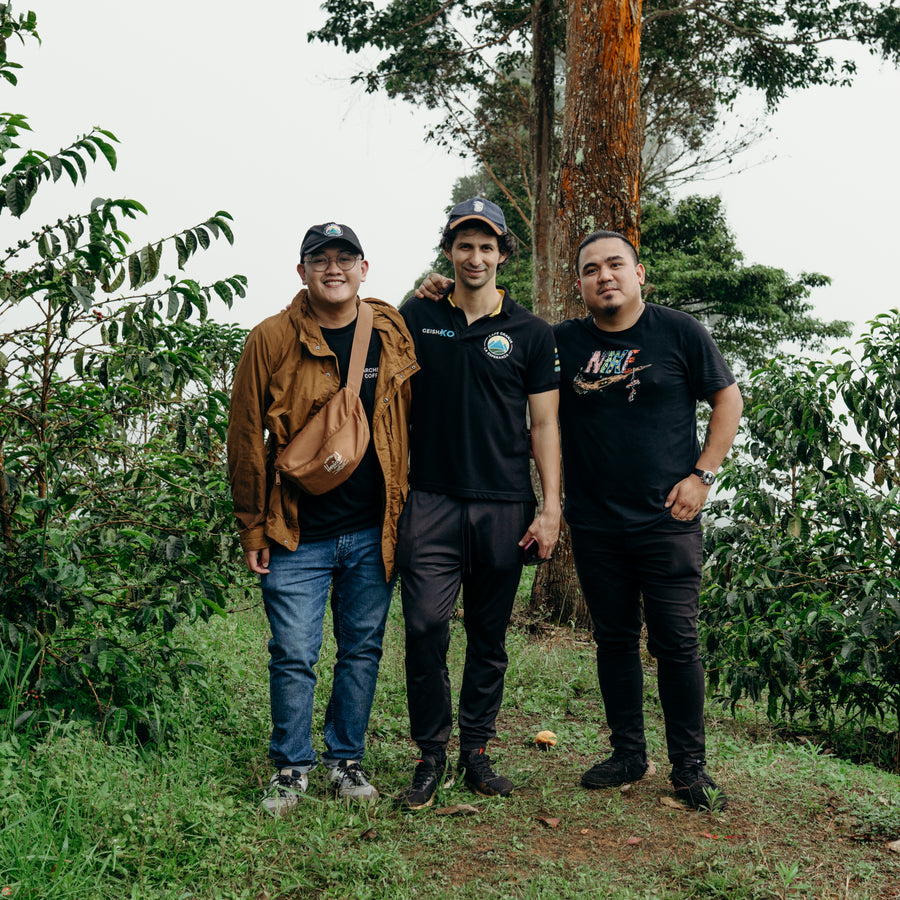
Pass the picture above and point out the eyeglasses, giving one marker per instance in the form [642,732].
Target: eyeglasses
[320,263]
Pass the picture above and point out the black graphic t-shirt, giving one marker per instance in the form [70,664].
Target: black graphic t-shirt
[468,436]
[357,503]
[627,411]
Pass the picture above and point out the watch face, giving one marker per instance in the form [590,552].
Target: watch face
[707,477]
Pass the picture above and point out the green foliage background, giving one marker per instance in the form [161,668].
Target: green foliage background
[115,525]
[802,600]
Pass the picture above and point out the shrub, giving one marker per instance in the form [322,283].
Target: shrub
[114,508]
[802,600]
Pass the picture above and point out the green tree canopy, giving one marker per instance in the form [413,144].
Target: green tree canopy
[472,61]
[693,264]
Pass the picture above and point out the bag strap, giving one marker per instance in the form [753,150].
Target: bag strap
[360,348]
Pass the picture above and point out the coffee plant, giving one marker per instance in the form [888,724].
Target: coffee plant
[115,523]
[801,606]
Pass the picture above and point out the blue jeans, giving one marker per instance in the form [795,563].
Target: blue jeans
[295,593]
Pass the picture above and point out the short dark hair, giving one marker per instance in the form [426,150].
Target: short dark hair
[599,236]
[506,243]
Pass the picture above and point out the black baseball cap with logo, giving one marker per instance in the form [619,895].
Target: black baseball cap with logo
[477,208]
[329,233]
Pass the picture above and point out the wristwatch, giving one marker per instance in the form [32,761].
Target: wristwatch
[705,476]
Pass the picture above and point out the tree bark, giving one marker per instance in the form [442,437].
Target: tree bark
[597,188]
[543,107]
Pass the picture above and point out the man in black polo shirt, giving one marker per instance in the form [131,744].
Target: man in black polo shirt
[486,363]
[632,374]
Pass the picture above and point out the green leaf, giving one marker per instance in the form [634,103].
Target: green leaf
[84,297]
[117,282]
[89,147]
[224,292]
[238,283]
[71,154]
[69,168]
[173,304]
[149,263]
[134,270]
[226,230]
[16,199]
[182,252]
[107,150]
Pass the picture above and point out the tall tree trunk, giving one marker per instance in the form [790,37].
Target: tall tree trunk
[542,112]
[597,187]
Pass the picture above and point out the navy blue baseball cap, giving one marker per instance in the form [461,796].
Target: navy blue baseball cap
[320,235]
[480,209]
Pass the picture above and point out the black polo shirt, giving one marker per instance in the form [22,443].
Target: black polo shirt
[469,436]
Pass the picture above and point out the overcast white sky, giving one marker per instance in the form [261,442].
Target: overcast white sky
[224,105]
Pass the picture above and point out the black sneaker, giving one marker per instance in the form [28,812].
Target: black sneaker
[478,774]
[425,782]
[695,788]
[620,768]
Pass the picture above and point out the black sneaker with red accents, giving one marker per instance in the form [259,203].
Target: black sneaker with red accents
[475,765]
[426,779]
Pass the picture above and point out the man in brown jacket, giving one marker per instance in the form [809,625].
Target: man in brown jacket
[302,545]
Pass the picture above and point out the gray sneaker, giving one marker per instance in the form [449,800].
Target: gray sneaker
[349,779]
[285,789]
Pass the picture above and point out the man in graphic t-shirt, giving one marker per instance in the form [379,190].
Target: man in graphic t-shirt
[303,546]
[636,480]
[487,363]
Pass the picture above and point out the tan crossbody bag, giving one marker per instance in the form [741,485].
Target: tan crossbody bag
[329,447]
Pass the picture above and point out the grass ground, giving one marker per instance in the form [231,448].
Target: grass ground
[87,819]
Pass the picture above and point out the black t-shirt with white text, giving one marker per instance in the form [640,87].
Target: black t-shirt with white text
[628,421]
[357,503]
[468,436]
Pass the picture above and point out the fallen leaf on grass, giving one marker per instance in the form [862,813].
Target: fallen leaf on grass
[458,809]
[549,821]
[894,845]
[651,767]
[585,831]
[672,803]
[633,841]
[719,837]
[626,788]
[370,834]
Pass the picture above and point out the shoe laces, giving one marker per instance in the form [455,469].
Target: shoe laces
[282,780]
[352,771]
[478,764]
[425,771]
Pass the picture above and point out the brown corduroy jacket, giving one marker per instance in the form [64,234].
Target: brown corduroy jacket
[286,374]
